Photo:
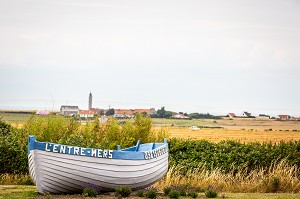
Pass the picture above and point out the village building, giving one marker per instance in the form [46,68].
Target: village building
[42,112]
[88,113]
[150,111]
[231,115]
[295,118]
[264,116]
[123,113]
[246,114]
[67,110]
[284,117]
[180,116]
[129,113]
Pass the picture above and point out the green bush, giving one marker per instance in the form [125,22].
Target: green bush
[193,194]
[5,128]
[123,191]
[13,150]
[210,193]
[151,194]
[140,193]
[89,192]
[174,194]
[167,190]
[230,156]
[182,192]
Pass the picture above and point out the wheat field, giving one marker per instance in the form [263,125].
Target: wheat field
[239,129]
[216,135]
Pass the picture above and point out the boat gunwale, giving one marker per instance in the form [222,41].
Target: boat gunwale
[156,150]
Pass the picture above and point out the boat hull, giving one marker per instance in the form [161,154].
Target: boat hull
[63,173]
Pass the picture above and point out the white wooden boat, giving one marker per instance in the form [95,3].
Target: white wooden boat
[57,168]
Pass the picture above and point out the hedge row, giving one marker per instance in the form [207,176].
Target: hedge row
[231,155]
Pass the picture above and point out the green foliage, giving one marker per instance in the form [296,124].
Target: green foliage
[182,192]
[58,129]
[123,191]
[193,194]
[167,190]
[151,194]
[203,116]
[174,194]
[180,189]
[210,193]
[89,192]
[13,152]
[230,156]
[162,113]
[31,194]
[5,128]
[110,112]
[140,193]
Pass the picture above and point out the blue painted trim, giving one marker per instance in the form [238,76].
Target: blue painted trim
[137,145]
[31,141]
[132,153]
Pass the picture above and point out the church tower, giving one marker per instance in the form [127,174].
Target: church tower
[90,101]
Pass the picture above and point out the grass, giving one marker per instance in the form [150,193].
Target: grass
[259,180]
[29,192]
[15,179]
[261,196]
[15,119]
[10,192]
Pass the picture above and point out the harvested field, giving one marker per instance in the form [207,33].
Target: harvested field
[232,124]
[216,135]
[239,129]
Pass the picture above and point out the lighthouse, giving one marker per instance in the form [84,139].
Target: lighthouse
[90,101]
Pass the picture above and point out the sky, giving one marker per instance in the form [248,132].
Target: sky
[206,56]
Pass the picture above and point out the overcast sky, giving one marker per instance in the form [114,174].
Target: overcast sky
[192,56]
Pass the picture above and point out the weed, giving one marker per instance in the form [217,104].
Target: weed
[182,192]
[210,193]
[274,183]
[140,193]
[167,190]
[174,194]
[193,194]
[47,195]
[89,192]
[123,191]
[151,193]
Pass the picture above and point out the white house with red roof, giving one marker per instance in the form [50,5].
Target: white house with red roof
[129,113]
[88,113]
[180,116]
[123,113]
